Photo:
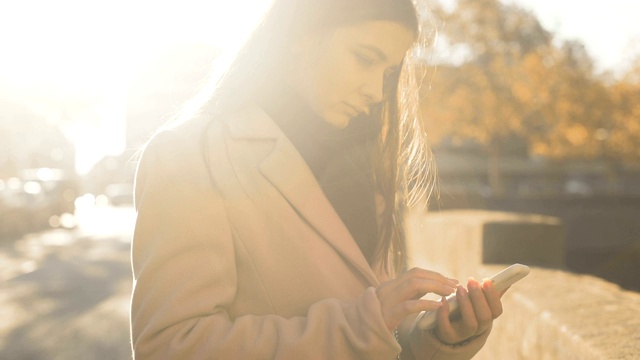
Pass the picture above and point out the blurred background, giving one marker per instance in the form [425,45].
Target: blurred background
[531,106]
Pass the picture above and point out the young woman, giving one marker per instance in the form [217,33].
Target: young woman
[269,222]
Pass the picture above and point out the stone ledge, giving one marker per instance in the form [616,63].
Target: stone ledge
[551,314]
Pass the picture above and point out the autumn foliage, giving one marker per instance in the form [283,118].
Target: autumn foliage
[504,78]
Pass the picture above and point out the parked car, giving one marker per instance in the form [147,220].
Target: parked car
[60,188]
[14,214]
[34,200]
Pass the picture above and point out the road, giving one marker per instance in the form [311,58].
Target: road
[64,294]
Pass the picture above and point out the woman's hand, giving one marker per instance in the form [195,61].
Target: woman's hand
[400,297]
[479,306]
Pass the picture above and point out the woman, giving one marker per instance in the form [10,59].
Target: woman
[268,223]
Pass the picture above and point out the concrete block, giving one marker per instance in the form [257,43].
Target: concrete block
[464,240]
[522,239]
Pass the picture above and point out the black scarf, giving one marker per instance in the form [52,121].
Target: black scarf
[340,159]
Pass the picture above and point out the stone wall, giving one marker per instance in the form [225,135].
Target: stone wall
[551,314]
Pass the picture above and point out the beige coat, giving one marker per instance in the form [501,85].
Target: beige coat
[252,262]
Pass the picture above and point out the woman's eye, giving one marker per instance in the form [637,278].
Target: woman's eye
[365,60]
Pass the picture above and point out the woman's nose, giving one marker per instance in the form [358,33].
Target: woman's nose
[372,88]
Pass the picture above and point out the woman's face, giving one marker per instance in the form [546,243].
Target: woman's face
[340,75]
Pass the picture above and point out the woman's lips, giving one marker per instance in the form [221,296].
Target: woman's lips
[352,110]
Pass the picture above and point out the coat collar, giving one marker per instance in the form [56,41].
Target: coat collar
[285,169]
[252,123]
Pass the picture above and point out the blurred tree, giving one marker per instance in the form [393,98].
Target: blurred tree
[624,135]
[507,82]
[494,95]
[594,117]
[579,107]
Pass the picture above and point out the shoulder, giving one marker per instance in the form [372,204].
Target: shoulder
[186,149]
[181,144]
[207,126]
[170,163]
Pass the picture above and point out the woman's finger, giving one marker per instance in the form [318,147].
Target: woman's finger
[460,329]
[413,285]
[401,297]
[415,288]
[482,311]
[493,298]
[393,316]
[445,330]
[468,321]
[415,306]
[428,274]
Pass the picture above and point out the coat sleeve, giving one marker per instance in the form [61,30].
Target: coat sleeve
[185,278]
[434,349]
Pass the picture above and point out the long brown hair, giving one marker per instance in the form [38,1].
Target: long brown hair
[403,165]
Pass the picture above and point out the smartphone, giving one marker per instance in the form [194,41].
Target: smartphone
[502,280]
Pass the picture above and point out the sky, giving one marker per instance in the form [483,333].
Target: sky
[609,29]
[87,49]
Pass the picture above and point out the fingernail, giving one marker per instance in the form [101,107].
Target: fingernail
[473,286]
[487,284]
[455,281]
[461,291]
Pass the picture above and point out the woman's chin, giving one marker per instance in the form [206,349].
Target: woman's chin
[340,121]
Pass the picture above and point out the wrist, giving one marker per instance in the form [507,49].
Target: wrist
[434,333]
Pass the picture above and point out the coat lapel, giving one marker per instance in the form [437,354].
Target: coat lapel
[286,170]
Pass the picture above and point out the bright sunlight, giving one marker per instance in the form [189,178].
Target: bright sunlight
[76,57]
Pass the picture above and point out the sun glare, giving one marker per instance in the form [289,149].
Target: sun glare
[81,54]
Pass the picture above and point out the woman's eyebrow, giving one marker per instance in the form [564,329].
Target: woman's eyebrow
[376,50]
